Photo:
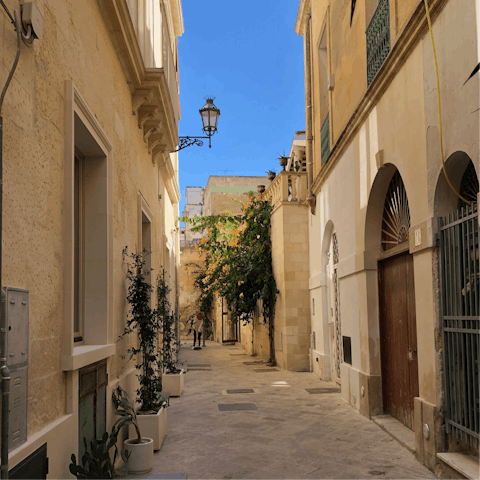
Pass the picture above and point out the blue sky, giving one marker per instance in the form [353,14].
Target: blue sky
[247,55]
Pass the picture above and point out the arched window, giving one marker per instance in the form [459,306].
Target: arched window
[468,186]
[396,214]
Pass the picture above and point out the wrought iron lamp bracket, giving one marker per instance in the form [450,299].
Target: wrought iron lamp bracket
[185,142]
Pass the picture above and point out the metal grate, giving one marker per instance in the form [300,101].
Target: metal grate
[260,370]
[234,407]
[460,274]
[378,40]
[322,390]
[199,365]
[325,139]
[234,354]
[241,390]
[199,369]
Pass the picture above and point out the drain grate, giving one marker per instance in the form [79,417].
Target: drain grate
[322,390]
[260,370]
[241,390]
[234,407]
[234,354]
[200,365]
[199,369]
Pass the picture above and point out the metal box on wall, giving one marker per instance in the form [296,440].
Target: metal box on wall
[17,326]
[17,424]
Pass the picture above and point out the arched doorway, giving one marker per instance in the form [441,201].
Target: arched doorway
[459,297]
[398,331]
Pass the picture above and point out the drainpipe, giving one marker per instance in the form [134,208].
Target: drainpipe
[308,101]
[3,321]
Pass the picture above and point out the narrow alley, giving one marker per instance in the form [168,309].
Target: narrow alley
[289,433]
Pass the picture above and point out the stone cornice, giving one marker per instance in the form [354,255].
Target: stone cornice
[300,22]
[411,35]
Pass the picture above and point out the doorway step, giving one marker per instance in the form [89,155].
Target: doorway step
[465,464]
[396,430]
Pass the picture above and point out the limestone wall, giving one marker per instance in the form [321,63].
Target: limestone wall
[74,68]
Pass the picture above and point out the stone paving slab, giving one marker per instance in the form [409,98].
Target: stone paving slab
[293,434]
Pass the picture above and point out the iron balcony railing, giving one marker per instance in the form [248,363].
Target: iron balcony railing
[378,40]
[325,139]
[460,296]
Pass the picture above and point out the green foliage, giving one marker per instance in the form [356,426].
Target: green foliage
[125,409]
[167,321]
[238,262]
[96,463]
[144,322]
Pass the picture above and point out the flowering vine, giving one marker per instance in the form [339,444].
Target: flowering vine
[238,263]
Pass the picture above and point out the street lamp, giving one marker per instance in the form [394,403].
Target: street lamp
[209,113]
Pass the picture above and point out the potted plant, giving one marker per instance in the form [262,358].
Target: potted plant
[271,174]
[173,377]
[143,321]
[140,449]
[96,462]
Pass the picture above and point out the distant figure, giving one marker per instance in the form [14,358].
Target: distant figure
[197,330]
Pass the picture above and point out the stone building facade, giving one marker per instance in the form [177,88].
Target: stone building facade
[89,121]
[385,307]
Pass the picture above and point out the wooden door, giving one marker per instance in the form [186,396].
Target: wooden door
[398,337]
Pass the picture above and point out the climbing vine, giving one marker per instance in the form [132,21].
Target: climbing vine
[238,263]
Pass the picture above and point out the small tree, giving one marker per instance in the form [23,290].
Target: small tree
[167,322]
[144,321]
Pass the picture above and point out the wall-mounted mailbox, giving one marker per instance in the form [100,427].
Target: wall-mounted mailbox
[17,424]
[17,326]
[347,350]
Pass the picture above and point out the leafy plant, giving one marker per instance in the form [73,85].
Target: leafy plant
[167,321]
[271,173]
[238,263]
[96,463]
[144,322]
[126,411]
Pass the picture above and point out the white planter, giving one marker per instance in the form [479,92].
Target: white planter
[173,383]
[141,455]
[153,426]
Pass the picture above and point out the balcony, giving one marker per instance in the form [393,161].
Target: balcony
[378,40]
[325,139]
[144,46]
[287,187]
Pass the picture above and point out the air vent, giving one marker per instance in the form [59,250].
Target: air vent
[322,390]
[241,390]
[261,370]
[234,407]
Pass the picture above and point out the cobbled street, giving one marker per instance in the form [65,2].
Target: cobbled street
[290,434]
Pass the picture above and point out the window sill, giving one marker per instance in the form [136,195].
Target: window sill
[84,355]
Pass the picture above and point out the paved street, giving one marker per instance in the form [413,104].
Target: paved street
[292,434]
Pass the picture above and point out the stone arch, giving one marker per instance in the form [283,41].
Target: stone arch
[445,200]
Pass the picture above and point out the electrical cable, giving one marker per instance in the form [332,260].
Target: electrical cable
[8,13]
[440,109]
[17,57]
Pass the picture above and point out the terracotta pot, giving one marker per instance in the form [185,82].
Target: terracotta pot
[141,455]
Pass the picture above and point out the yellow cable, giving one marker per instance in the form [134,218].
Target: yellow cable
[440,109]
